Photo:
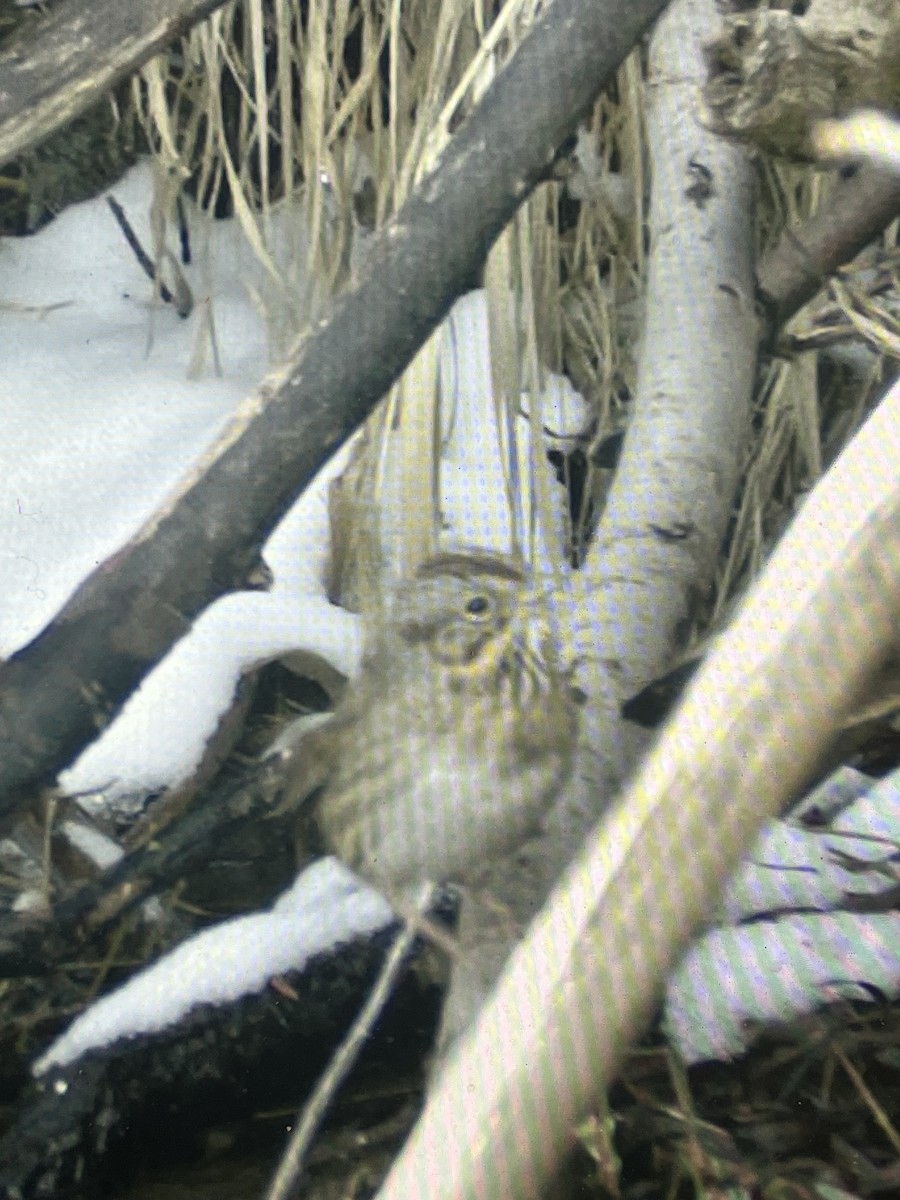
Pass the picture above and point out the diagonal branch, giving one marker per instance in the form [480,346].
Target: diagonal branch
[59,691]
[811,636]
[73,57]
[858,209]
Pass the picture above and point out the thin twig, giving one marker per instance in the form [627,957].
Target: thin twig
[184,233]
[881,1117]
[348,1052]
[139,252]
[183,301]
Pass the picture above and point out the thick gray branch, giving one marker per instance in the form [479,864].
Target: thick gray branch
[57,693]
[672,493]
[585,980]
[79,53]
[858,209]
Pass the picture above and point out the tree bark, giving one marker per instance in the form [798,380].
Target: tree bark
[792,272]
[578,990]
[60,691]
[667,509]
[69,61]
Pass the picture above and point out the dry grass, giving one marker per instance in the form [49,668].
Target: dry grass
[812,1107]
[565,286]
[342,110]
[345,109]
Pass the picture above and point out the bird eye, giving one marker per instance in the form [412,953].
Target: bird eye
[477,606]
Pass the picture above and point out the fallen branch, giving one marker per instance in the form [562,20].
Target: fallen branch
[812,634]
[37,948]
[78,54]
[858,210]
[62,689]
[344,1059]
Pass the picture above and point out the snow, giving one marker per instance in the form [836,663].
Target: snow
[99,421]
[103,412]
[160,734]
[326,906]
[107,402]
[736,980]
[792,866]
[788,960]
[102,851]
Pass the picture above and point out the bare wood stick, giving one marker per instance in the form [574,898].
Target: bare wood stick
[813,632]
[60,691]
[76,55]
[182,300]
[858,209]
[343,1061]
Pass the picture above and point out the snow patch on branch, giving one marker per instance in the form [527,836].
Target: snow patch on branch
[326,906]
